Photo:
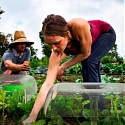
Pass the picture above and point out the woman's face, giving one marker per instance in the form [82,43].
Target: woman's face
[57,43]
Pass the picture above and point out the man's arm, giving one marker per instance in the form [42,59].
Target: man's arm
[16,67]
[7,72]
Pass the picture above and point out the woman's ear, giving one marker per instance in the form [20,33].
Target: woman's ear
[67,33]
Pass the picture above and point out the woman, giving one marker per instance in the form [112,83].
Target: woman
[88,41]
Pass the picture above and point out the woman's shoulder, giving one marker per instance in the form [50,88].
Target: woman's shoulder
[77,22]
[77,26]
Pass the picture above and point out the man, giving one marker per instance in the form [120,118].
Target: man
[16,59]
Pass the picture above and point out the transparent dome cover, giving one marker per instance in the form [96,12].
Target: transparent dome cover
[66,99]
[26,83]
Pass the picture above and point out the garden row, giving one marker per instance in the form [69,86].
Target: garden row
[14,110]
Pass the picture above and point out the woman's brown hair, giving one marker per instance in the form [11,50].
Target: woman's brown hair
[54,25]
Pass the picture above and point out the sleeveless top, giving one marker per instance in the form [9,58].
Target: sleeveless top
[98,27]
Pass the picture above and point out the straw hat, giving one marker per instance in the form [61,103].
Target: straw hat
[19,37]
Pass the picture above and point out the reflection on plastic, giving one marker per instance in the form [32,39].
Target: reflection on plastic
[73,88]
[19,82]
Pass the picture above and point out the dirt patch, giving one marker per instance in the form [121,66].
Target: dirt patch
[9,120]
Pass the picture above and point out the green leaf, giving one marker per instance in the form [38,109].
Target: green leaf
[85,102]
[30,124]
[40,122]
[86,113]
[123,118]
[122,108]
[105,112]
[1,103]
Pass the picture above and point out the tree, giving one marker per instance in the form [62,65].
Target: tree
[113,52]
[1,12]
[4,42]
[112,56]
[46,49]
[33,53]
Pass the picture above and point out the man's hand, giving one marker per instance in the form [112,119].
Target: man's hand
[7,72]
[24,67]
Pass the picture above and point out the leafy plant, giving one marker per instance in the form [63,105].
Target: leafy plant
[120,60]
[106,68]
[115,114]
[76,69]
[35,62]
[110,79]
[3,105]
[65,106]
[119,69]
[106,59]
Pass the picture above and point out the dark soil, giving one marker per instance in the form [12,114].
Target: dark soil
[9,120]
[71,120]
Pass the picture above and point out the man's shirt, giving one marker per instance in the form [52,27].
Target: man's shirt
[11,54]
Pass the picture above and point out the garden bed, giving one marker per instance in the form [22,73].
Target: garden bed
[40,79]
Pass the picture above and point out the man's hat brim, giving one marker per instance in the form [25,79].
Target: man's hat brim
[21,40]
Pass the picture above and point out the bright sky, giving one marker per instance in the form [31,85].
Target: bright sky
[28,15]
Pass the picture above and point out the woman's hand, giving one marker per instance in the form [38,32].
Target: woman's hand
[60,73]
[28,120]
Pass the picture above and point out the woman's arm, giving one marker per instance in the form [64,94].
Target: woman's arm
[81,32]
[54,63]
